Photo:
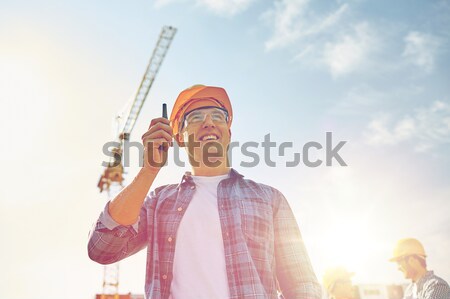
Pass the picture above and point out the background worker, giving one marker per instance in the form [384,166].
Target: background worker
[338,283]
[215,235]
[409,254]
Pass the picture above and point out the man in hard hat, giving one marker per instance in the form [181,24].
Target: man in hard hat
[215,234]
[338,283]
[409,254]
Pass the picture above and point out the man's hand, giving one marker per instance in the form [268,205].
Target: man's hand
[126,206]
[156,143]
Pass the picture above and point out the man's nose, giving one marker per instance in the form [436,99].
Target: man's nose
[208,122]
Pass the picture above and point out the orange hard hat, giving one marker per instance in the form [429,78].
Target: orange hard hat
[199,96]
[406,247]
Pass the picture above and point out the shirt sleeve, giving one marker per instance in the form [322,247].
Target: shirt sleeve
[109,223]
[294,271]
[110,242]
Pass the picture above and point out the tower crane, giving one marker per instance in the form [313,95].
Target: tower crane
[114,171]
[112,178]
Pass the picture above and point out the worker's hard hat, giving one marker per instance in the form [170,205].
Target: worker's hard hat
[199,96]
[406,247]
[332,275]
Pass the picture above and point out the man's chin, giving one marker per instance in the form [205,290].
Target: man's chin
[215,162]
[210,161]
[211,148]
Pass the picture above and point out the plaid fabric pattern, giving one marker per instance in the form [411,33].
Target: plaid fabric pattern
[264,250]
[429,286]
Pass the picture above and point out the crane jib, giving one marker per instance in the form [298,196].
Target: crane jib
[160,51]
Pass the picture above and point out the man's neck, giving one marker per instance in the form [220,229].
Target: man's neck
[420,273]
[210,171]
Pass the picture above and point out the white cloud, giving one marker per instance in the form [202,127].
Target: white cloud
[420,49]
[350,51]
[427,127]
[327,21]
[308,50]
[228,7]
[326,40]
[291,22]
[284,18]
[220,7]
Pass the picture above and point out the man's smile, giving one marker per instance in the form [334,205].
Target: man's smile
[209,136]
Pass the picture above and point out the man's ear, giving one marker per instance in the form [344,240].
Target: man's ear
[229,131]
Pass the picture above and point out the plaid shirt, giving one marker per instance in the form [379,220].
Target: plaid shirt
[264,250]
[429,286]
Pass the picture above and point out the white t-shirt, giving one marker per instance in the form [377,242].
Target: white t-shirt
[199,270]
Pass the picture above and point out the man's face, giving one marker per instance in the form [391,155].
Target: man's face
[207,132]
[404,266]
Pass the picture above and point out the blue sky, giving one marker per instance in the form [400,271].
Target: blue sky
[375,73]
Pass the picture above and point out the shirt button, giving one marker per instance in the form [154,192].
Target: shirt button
[180,209]
[169,239]
[164,276]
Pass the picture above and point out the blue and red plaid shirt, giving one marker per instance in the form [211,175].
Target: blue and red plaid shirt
[264,250]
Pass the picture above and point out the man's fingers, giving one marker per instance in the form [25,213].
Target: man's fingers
[159,120]
[158,134]
[155,143]
[160,126]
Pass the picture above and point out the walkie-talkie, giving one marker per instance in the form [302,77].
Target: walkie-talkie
[164,112]
[164,147]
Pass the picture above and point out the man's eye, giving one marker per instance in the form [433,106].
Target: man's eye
[195,118]
[218,116]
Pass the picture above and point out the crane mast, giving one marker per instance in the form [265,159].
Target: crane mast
[112,178]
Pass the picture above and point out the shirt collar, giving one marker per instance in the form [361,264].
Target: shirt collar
[424,278]
[187,177]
